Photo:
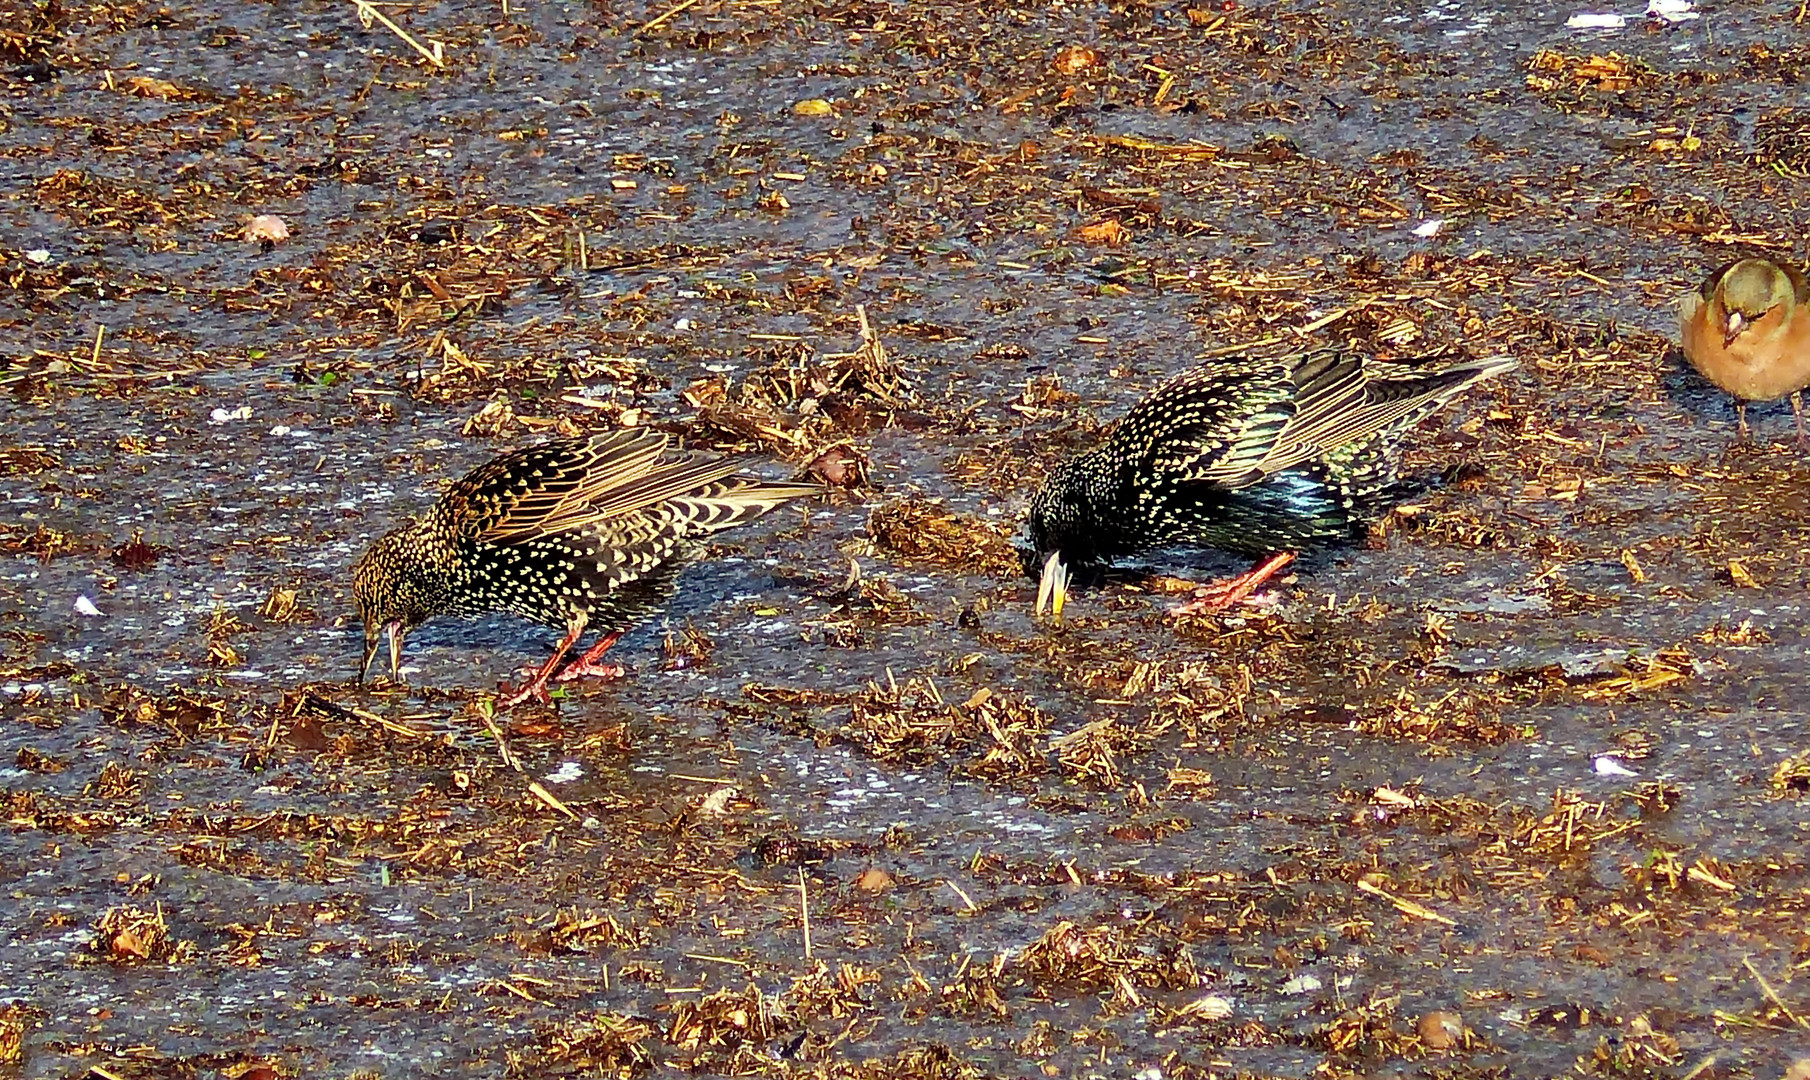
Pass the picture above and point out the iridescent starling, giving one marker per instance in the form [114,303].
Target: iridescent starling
[1249,455]
[573,533]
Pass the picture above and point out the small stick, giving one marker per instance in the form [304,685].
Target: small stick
[367,12]
[100,331]
[550,799]
[804,911]
[1404,905]
[1772,994]
[670,12]
[502,744]
[1700,1068]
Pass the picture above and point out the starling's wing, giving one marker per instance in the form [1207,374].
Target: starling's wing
[541,490]
[1234,425]
[1229,424]
[624,482]
[1211,425]
[1373,410]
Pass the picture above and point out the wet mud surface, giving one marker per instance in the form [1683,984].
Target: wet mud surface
[1515,790]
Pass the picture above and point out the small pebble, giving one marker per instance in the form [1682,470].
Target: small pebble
[265,229]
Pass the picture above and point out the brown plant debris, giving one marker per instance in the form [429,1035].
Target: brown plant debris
[914,724]
[1107,958]
[923,529]
[595,1044]
[128,934]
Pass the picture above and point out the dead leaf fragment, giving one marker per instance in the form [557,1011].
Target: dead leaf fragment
[1074,59]
[873,880]
[814,107]
[1109,232]
[1441,1030]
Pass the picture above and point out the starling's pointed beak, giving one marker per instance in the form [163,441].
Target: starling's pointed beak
[1737,325]
[372,637]
[396,633]
[1052,587]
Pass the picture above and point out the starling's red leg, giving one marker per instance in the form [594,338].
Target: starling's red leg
[536,687]
[1797,410]
[1219,595]
[587,664]
[1741,418]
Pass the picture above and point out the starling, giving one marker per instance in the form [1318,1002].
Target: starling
[1254,456]
[1748,331]
[573,533]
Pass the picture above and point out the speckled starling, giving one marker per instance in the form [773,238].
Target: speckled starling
[573,533]
[1248,455]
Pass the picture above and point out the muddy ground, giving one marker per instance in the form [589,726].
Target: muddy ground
[1514,791]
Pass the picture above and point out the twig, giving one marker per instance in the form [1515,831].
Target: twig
[551,799]
[1404,905]
[502,744]
[367,12]
[971,905]
[670,12]
[1700,1068]
[1773,995]
[804,911]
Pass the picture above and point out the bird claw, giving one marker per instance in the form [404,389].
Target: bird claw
[1220,595]
[583,669]
[535,690]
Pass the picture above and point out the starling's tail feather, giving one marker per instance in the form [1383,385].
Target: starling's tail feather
[736,500]
[1364,414]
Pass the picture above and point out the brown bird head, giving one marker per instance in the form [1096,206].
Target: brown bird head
[394,593]
[1749,294]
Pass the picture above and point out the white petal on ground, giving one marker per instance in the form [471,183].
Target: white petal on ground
[1585,20]
[1672,10]
[567,772]
[1610,765]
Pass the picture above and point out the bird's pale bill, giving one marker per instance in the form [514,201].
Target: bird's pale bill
[1737,324]
[373,636]
[1052,587]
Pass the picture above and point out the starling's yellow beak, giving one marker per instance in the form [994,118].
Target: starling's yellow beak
[1052,587]
[395,631]
[373,637]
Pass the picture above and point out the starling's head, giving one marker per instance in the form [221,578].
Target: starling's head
[391,598]
[1057,534]
[1755,295]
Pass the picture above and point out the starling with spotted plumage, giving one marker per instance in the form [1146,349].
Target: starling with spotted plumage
[577,534]
[1251,455]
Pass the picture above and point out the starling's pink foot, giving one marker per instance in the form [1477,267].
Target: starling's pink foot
[1219,595]
[535,688]
[580,669]
[587,666]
